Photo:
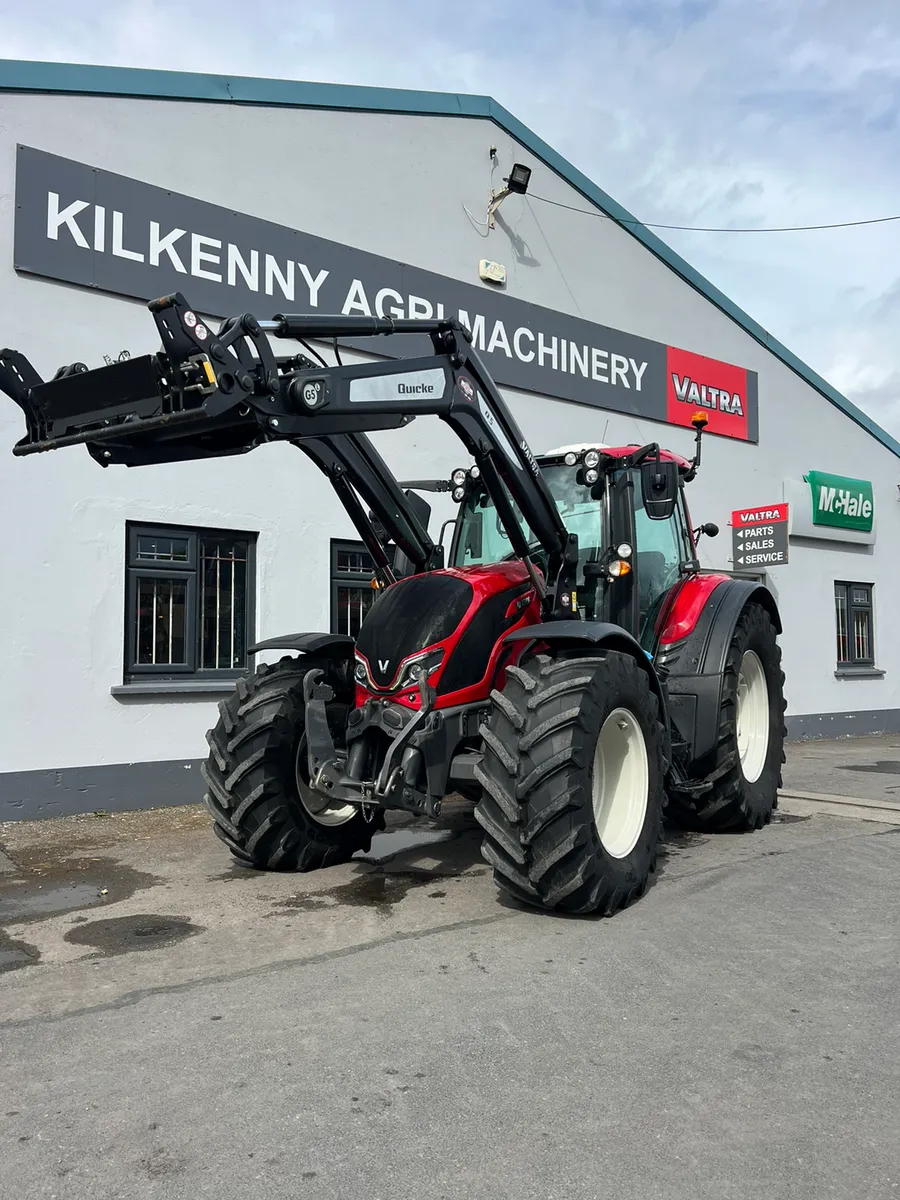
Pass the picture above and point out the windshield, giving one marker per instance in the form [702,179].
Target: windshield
[482,538]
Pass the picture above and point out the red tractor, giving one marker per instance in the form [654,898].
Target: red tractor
[571,669]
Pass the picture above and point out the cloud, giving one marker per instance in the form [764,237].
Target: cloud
[711,112]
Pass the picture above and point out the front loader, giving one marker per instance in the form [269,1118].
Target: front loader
[570,668]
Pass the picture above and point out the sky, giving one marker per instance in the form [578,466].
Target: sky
[727,113]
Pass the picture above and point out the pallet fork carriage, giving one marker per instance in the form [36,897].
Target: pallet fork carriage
[570,669]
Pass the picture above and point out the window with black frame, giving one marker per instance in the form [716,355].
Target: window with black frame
[854,624]
[189,602]
[352,594]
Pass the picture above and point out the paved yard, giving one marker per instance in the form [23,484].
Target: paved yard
[172,1025]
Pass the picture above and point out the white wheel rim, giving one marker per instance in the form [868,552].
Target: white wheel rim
[752,716]
[323,811]
[621,783]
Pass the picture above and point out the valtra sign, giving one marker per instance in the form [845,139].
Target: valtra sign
[90,227]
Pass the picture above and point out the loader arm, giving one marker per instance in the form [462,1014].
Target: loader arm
[208,393]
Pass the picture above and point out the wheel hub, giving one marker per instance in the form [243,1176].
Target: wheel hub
[752,716]
[320,808]
[620,783]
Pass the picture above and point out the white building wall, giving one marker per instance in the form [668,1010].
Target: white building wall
[396,186]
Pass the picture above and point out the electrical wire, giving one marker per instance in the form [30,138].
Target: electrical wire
[313,353]
[713,228]
[475,221]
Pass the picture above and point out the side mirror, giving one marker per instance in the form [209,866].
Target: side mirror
[421,509]
[659,488]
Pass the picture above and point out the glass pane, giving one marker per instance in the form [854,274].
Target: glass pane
[860,595]
[661,548]
[352,605]
[843,637]
[162,549]
[223,602]
[861,636]
[161,622]
[354,562]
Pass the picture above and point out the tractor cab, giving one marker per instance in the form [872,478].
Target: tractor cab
[631,554]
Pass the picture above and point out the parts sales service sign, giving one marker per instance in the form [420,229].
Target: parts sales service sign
[96,229]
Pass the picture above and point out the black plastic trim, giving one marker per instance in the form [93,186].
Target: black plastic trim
[329,645]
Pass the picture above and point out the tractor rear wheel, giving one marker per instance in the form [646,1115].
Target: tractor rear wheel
[746,768]
[572,779]
[258,779]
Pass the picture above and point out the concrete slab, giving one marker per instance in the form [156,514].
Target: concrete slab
[865,768]
[393,1030]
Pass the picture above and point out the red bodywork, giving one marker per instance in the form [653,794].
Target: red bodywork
[486,581]
[685,604]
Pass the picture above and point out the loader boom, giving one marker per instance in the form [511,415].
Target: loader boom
[209,393]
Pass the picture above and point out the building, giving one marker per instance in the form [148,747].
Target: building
[130,595]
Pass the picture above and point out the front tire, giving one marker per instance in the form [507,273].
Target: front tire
[259,795]
[572,779]
[745,770]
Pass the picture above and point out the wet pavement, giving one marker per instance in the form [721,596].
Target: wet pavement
[174,1024]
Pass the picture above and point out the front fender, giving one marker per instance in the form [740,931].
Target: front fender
[325,645]
[569,635]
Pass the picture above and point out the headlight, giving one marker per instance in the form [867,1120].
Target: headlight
[361,674]
[571,459]
[475,472]
[458,478]
[591,458]
[427,662]
[591,475]
[459,494]
[624,550]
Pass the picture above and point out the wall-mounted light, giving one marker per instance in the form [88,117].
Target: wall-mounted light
[516,183]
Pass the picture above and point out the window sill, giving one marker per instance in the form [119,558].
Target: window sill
[859,673]
[175,687]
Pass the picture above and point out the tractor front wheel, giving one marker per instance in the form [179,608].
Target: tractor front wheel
[572,779]
[745,771]
[258,779]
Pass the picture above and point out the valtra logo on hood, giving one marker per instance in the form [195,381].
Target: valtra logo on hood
[718,389]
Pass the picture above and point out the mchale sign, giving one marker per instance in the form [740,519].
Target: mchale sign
[95,229]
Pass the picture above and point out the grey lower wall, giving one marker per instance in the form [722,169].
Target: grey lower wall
[125,787]
[121,787]
[816,726]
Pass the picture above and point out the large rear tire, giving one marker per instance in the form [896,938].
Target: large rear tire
[572,779]
[746,766]
[259,795]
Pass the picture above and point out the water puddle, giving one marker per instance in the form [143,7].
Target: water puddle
[386,846]
[47,888]
[121,935]
[15,954]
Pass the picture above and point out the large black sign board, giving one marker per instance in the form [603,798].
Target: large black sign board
[96,229]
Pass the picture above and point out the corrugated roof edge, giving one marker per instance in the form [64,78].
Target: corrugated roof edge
[25,76]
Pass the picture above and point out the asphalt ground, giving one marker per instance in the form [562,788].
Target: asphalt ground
[174,1025]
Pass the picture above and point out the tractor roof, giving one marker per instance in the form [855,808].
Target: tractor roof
[579,448]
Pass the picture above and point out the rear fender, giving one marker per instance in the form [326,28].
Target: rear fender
[324,645]
[597,635]
[694,648]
